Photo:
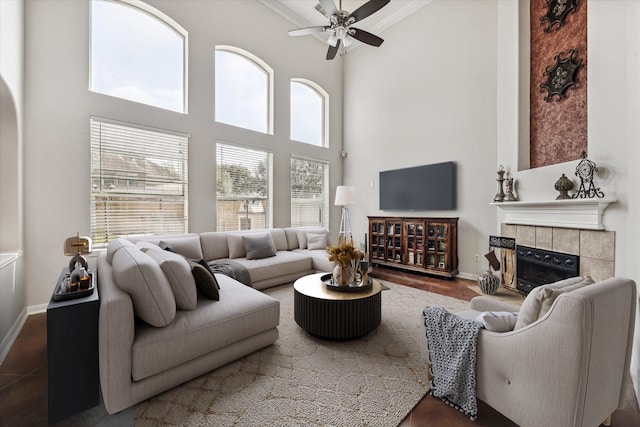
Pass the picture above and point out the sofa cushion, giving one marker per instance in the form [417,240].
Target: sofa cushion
[137,274]
[241,313]
[293,238]
[205,281]
[302,236]
[116,244]
[279,239]
[178,272]
[316,241]
[214,245]
[258,246]
[189,246]
[544,296]
[319,257]
[284,263]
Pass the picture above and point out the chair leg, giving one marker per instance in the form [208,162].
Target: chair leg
[607,421]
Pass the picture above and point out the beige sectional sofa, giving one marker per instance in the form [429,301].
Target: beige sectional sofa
[156,331]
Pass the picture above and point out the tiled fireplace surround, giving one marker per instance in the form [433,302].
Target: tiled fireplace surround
[596,248]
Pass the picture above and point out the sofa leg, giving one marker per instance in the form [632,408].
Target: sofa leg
[607,421]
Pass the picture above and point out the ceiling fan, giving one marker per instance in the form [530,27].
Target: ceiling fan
[340,25]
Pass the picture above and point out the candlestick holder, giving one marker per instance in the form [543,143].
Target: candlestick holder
[500,194]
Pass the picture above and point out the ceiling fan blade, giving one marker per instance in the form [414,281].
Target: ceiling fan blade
[329,7]
[368,8]
[320,9]
[308,30]
[365,37]
[331,53]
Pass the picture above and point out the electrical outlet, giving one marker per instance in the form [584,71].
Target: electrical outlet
[477,258]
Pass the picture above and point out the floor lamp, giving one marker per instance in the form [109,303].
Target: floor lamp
[345,196]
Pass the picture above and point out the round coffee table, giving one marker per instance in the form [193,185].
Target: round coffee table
[336,315]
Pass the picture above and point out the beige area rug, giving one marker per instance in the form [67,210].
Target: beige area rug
[503,294]
[304,381]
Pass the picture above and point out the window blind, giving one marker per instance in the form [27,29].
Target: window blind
[244,188]
[138,181]
[309,193]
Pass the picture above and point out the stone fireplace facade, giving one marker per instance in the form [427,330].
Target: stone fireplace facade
[596,248]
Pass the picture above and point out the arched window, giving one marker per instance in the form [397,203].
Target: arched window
[244,90]
[309,112]
[138,53]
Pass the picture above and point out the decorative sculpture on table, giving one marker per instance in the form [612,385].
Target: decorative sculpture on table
[585,171]
[563,185]
[500,194]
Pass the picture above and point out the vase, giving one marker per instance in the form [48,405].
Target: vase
[488,283]
[344,275]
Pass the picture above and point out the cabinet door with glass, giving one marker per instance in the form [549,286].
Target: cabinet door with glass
[377,232]
[394,251]
[438,240]
[414,244]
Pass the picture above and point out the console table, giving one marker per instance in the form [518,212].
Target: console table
[72,354]
[427,245]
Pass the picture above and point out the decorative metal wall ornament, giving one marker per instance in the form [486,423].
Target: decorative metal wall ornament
[561,76]
[585,170]
[557,11]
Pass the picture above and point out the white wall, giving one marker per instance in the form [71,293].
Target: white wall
[428,95]
[11,118]
[59,106]
[613,128]
[12,284]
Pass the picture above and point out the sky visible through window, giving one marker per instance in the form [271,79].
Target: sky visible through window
[136,56]
[242,92]
[307,114]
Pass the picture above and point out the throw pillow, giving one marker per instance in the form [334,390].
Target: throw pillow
[498,321]
[316,241]
[176,269]
[530,309]
[258,246]
[557,291]
[142,278]
[205,282]
[207,267]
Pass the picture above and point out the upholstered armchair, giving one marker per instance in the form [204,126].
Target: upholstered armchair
[568,367]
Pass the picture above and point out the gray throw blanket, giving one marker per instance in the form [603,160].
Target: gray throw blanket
[452,343]
[232,269]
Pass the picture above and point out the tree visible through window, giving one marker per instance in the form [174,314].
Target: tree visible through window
[308,112]
[243,90]
[309,193]
[244,180]
[139,181]
[138,54]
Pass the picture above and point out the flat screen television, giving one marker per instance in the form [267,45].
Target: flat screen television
[419,188]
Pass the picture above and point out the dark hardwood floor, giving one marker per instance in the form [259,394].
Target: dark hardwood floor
[23,374]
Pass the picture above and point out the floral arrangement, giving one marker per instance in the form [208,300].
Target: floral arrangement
[344,253]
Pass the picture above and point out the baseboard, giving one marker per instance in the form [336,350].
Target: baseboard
[37,309]
[10,338]
[467,276]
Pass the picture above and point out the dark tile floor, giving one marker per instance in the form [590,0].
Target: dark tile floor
[23,374]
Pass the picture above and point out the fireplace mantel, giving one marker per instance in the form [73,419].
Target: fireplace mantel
[568,213]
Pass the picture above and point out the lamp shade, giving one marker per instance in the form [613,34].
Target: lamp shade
[345,195]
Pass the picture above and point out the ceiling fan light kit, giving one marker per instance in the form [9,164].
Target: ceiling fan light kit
[340,21]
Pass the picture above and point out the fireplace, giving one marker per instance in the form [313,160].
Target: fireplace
[537,267]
